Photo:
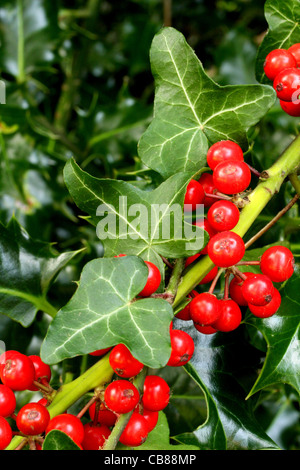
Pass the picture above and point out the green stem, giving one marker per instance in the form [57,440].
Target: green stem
[175,277]
[21,62]
[272,179]
[295,182]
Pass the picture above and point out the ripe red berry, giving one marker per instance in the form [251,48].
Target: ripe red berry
[231,177]
[105,416]
[206,179]
[206,330]
[135,432]
[100,352]
[123,363]
[121,396]
[7,401]
[150,416]
[278,263]
[16,370]
[194,195]
[223,215]
[185,314]
[230,317]
[278,60]
[42,371]
[235,289]
[295,51]
[268,310]
[258,289]
[153,281]
[292,108]
[226,249]
[205,225]
[223,150]
[204,309]
[209,276]
[33,419]
[287,84]
[94,436]
[156,394]
[5,433]
[182,348]
[69,424]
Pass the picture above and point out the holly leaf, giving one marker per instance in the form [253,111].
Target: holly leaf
[27,269]
[104,312]
[283,17]
[158,230]
[191,111]
[58,440]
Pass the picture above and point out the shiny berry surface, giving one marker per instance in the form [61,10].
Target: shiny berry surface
[223,150]
[226,249]
[232,177]
[123,363]
[5,433]
[94,436]
[7,401]
[16,370]
[287,84]
[33,419]
[278,263]
[235,289]
[230,317]
[121,396]
[156,394]
[194,195]
[258,289]
[69,424]
[206,179]
[153,281]
[135,432]
[223,215]
[182,348]
[105,416]
[292,108]
[205,309]
[268,310]
[278,60]
[295,51]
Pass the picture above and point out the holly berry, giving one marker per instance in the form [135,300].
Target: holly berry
[235,289]
[5,433]
[226,249]
[206,180]
[292,108]
[42,371]
[156,394]
[121,396]
[150,416]
[209,276]
[69,424]
[153,281]
[7,401]
[123,363]
[105,416]
[258,289]
[223,215]
[278,60]
[230,316]
[206,330]
[16,370]
[278,263]
[94,436]
[204,309]
[268,310]
[100,352]
[295,51]
[287,84]
[194,195]
[182,348]
[231,177]
[135,432]
[224,150]
[33,419]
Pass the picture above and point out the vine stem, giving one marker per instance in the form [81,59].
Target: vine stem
[270,183]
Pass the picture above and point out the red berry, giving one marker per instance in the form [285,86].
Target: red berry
[135,432]
[94,436]
[292,108]
[123,363]
[16,370]
[226,249]
[185,314]
[105,416]
[223,151]
[205,225]
[278,263]
[223,215]
[42,371]
[121,396]
[258,289]
[209,276]
[5,433]
[232,177]
[207,182]
[278,60]
[150,416]
[230,317]
[33,419]
[69,424]
[194,195]
[156,394]
[7,401]
[295,51]
[153,281]
[235,289]
[287,84]
[204,309]
[206,330]
[182,348]
[100,352]
[268,310]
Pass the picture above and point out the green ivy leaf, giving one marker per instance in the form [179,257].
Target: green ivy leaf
[104,312]
[191,111]
[27,269]
[283,17]
[58,440]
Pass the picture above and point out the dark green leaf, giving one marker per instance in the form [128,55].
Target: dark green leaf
[58,440]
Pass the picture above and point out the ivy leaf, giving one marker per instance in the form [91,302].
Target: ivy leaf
[283,17]
[27,269]
[191,111]
[103,312]
[143,234]
[219,363]
[58,440]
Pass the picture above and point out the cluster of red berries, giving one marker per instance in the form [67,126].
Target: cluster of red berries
[282,67]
